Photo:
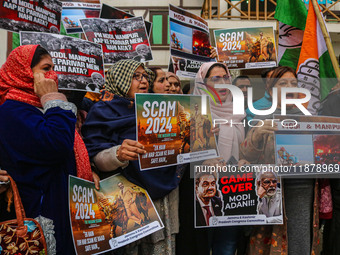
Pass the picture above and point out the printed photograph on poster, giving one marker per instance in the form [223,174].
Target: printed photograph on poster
[326,149]
[74,10]
[109,12]
[230,198]
[114,216]
[120,38]
[185,68]
[25,15]
[78,63]
[294,149]
[173,130]
[189,35]
[241,48]
[309,144]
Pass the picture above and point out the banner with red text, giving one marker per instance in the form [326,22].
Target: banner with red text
[26,15]
[226,195]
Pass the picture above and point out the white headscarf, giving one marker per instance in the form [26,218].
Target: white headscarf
[229,138]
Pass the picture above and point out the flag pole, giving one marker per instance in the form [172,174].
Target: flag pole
[327,38]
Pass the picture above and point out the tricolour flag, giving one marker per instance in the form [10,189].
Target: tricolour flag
[315,71]
[292,15]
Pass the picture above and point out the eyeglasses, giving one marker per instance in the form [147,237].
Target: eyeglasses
[270,181]
[216,79]
[140,76]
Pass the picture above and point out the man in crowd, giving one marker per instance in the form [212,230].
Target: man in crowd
[243,83]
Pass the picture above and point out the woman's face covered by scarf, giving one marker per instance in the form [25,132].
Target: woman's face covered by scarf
[16,75]
[45,66]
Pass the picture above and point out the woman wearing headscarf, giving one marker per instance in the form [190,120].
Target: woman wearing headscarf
[229,136]
[175,83]
[110,136]
[39,147]
[299,232]
[160,84]
[221,240]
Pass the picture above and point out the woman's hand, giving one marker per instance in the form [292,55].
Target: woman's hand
[43,86]
[213,54]
[215,130]
[268,127]
[129,150]
[96,180]
[243,162]
[3,178]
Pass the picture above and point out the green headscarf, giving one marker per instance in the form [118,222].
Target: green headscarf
[120,74]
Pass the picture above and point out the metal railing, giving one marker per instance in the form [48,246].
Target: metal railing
[257,10]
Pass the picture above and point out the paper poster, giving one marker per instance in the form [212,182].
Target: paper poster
[307,145]
[109,12]
[185,68]
[120,38]
[228,196]
[78,63]
[74,10]
[26,15]
[173,130]
[189,35]
[114,216]
[241,48]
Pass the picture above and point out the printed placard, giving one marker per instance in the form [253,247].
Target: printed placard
[189,35]
[114,216]
[228,196]
[109,12]
[307,145]
[78,63]
[185,68]
[247,48]
[120,38]
[74,10]
[26,15]
[173,130]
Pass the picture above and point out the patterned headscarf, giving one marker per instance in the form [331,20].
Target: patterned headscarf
[120,75]
[16,76]
[17,83]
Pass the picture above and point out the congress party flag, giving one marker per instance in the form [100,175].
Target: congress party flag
[292,15]
[315,71]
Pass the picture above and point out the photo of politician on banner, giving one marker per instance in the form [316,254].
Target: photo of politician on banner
[226,196]
[173,130]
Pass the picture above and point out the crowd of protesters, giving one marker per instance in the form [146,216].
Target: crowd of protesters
[40,146]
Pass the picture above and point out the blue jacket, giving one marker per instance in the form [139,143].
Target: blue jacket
[108,124]
[36,149]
